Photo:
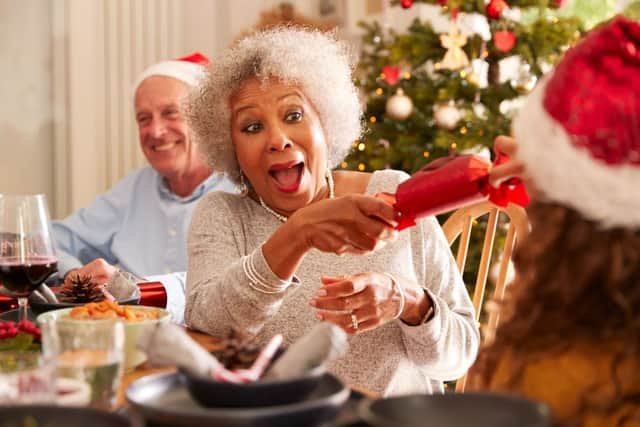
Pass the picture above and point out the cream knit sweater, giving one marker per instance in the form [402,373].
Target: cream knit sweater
[393,359]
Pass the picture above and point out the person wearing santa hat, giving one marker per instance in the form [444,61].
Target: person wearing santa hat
[140,224]
[570,327]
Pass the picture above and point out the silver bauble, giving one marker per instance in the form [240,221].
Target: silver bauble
[524,81]
[447,116]
[399,106]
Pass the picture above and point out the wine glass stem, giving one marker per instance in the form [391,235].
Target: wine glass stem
[23,304]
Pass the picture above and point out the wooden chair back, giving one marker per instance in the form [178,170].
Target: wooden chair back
[459,226]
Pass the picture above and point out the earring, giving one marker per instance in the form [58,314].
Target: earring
[330,184]
[244,188]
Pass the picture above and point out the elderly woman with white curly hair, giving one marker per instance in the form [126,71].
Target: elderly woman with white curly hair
[304,244]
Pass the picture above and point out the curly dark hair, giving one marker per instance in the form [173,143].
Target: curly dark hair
[576,283]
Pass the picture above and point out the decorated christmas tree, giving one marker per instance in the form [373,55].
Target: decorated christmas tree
[429,92]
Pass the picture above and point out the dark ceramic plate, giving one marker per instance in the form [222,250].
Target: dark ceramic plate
[163,400]
[214,394]
[59,416]
[41,307]
[455,410]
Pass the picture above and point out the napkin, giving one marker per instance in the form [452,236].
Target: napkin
[123,285]
[43,295]
[312,352]
[167,344]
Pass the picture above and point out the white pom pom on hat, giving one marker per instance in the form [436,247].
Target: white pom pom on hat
[188,69]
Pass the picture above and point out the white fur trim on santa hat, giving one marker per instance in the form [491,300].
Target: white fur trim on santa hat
[185,71]
[568,174]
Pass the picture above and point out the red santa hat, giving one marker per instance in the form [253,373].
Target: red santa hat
[188,69]
[579,131]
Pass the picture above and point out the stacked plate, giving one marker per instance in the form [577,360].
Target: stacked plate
[166,400]
[29,415]
[454,410]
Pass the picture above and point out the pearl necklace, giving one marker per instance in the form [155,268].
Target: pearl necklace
[283,218]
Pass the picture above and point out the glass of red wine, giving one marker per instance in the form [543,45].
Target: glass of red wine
[27,255]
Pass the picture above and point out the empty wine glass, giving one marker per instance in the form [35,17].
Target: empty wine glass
[27,255]
[26,378]
[88,351]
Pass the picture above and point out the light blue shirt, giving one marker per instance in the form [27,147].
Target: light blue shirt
[139,225]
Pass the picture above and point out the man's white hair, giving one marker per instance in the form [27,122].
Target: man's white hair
[316,62]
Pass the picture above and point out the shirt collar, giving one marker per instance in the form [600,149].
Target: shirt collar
[206,185]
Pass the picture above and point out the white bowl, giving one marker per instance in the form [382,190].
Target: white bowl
[132,356]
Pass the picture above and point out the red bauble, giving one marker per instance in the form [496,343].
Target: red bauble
[406,4]
[495,8]
[504,40]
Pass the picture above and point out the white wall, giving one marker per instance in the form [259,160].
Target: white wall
[26,133]
[209,26]
[66,123]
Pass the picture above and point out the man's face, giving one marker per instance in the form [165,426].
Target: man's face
[165,138]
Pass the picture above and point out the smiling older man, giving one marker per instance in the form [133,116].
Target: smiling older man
[140,224]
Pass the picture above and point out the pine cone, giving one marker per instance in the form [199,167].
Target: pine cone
[239,351]
[80,289]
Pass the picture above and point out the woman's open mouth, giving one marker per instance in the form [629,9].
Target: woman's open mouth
[287,176]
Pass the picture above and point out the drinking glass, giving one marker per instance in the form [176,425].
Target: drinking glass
[27,255]
[88,350]
[26,378]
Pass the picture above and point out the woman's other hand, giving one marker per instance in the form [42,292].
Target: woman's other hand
[367,300]
[510,169]
[353,224]
[357,303]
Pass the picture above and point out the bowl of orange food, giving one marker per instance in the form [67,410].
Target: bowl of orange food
[135,317]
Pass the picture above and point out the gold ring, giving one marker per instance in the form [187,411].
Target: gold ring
[354,321]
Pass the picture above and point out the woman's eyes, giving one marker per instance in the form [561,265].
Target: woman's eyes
[293,116]
[252,127]
[290,117]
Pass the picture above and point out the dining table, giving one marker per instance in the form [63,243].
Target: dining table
[360,407]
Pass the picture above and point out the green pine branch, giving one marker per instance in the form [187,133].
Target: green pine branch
[410,144]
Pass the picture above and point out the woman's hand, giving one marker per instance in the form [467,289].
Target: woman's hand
[358,303]
[354,224]
[510,169]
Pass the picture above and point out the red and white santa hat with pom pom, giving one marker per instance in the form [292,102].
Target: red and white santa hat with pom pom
[188,69]
[579,131]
